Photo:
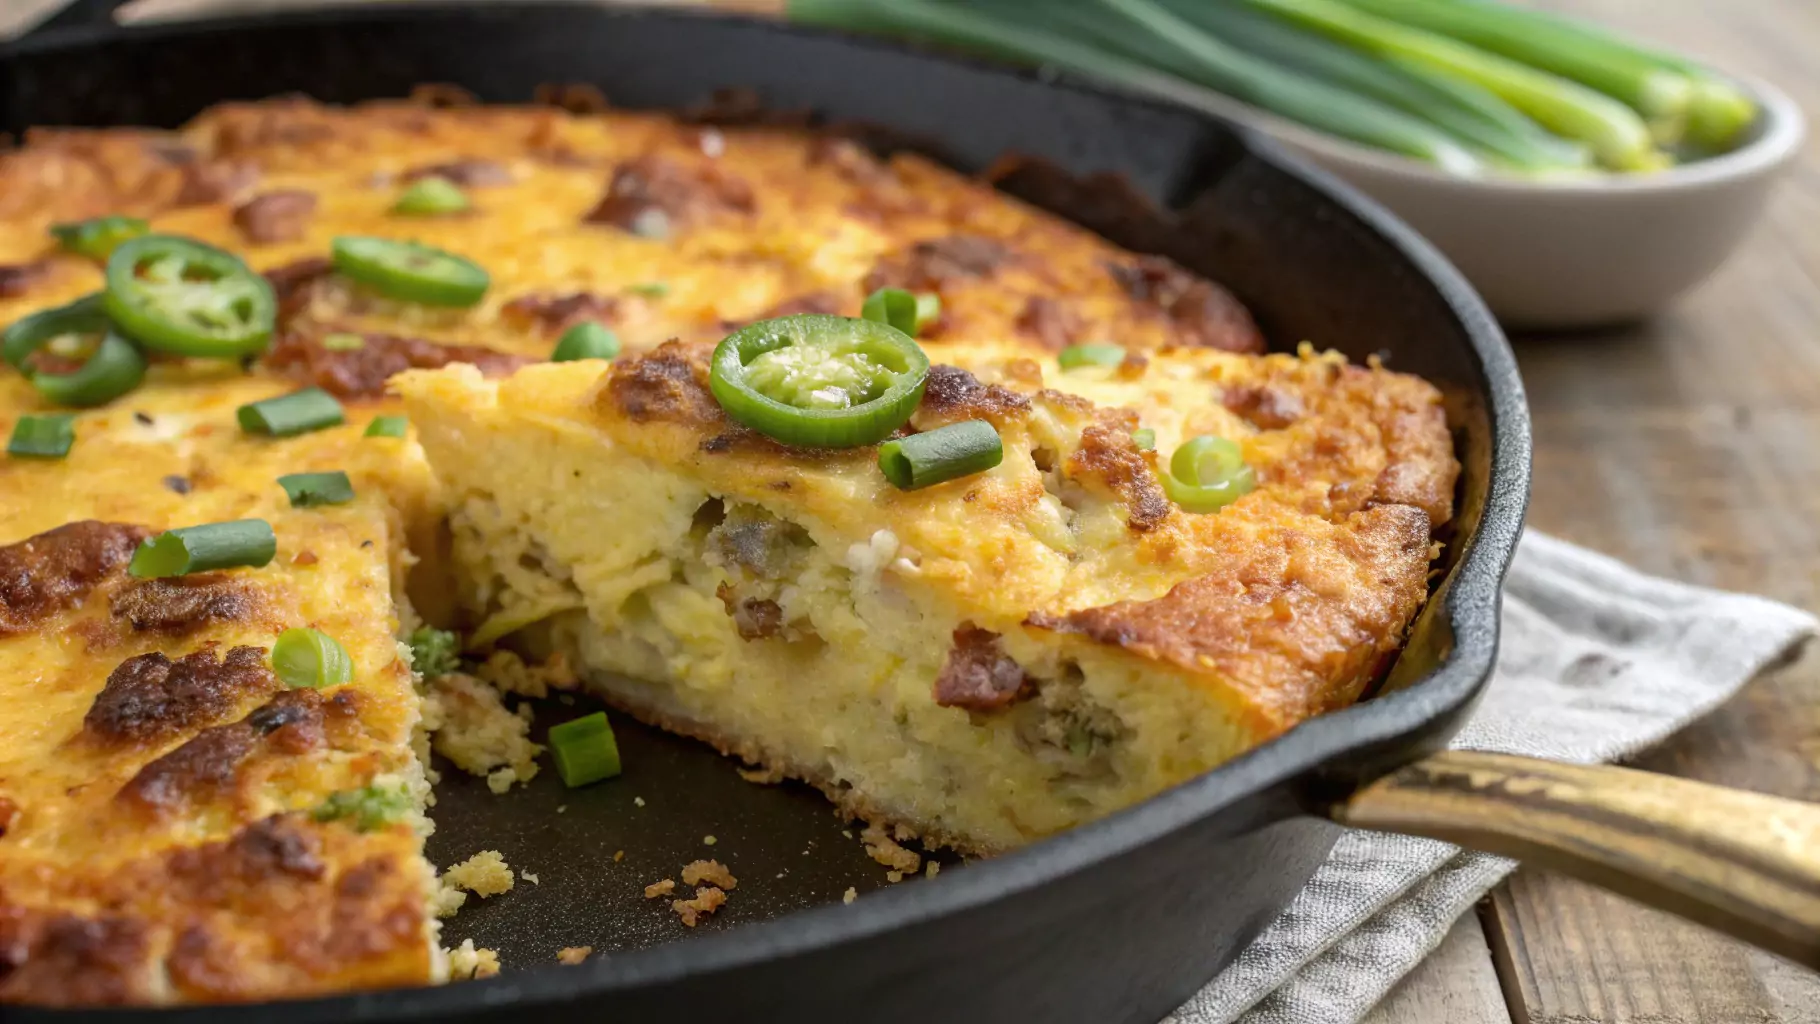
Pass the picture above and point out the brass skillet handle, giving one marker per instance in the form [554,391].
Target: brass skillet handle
[1744,863]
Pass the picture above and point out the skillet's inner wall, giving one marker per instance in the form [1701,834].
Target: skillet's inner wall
[1305,266]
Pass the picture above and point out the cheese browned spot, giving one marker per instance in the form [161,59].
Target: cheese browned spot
[362,372]
[825,302]
[652,195]
[18,278]
[214,181]
[208,764]
[292,282]
[468,173]
[151,698]
[1264,406]
[272,217]
[1109,457]
[62,959]
[45,574]
[930,265]
[1200,312]
[952,394]
[978,675]
[1052,324]
[556,312]
[179,605]
[668,383]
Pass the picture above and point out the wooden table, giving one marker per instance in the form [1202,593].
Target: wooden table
[1689,446]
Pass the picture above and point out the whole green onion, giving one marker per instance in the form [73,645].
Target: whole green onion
[191,549]
[945,453]
[585,341]
[1075,356]
[42,437]
[309,490]
[296,413]
[308,658]
[584,750]
[432,197]
[387,426]
[893,307]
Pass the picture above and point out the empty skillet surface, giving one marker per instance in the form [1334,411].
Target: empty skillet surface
[1117,921]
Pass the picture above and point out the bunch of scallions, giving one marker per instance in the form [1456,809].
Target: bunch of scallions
[1472,86]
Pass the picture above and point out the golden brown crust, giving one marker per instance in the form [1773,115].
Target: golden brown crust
[277,216]
[1200,313]
[1295,623]
[361,372]
[1109,458]
[210,764]
[48,573]
[654,195]
[180,605]
[951,394]
[150,699]
[668,384]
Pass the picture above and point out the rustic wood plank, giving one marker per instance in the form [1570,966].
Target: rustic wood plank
[1687,446]
[1455,985]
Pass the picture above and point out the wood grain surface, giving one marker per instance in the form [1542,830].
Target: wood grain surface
[1689,446]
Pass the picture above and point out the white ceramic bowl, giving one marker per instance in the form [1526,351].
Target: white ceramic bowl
[1577,253]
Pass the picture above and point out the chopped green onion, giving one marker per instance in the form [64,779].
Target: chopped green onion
[1076,356]
[97,237]
[42,437]
[1144,438]
[945,453]
[584,750]
[431,197]
[928,311]
[1208,473]
[310,659]
[296,413]
[343,341]
[434,652]
[370,807]
[893,307]
[585,341]
[309,490]
[650,289]
[241,542]
[387,426]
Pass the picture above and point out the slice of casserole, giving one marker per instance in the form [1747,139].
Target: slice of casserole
[985,661]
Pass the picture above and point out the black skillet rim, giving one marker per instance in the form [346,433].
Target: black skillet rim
[1385,723]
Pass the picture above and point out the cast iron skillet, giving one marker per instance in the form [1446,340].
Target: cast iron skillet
[1117,921]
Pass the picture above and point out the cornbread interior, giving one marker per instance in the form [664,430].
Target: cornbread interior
[983,662]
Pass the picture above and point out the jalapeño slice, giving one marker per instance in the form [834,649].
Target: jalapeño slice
[181,296]
[410,271]
[109,365]
[819,381]
[97,237]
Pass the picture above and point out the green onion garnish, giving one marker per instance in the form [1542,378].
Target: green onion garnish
[434,652]
[97,237]
[42,437]
[928,310]
[369,807]
[431,197]
[241,542]
[387,426]
[1144,438]
[585,341]
[308,490]
[946,453]
[1208,473]
[584,750]
[296,413]
[894,307]
[308,658]
[343,341]
[1075,356]
[651,289]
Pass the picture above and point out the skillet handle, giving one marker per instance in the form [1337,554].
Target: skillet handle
[1744,863]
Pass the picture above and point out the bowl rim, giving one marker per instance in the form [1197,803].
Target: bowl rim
[1784,128]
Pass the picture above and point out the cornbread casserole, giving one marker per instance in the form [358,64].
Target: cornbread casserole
[982,662]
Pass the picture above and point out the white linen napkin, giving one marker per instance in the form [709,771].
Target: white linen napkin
[1597,662]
